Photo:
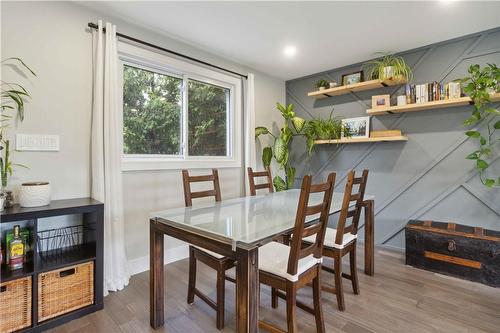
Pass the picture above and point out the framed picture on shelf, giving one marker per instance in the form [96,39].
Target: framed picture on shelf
[381,101]
[358,127]
[352,78]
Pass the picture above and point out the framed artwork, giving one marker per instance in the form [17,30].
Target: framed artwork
[381,101]
[352,78]
[358,127]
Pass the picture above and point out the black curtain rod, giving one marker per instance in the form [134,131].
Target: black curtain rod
[133,39]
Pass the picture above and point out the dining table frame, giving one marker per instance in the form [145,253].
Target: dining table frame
[247,272]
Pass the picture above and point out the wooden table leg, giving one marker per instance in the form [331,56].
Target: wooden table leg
[247,290]
[156,282]
[369,237]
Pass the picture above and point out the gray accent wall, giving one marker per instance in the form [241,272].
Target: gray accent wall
[426,177]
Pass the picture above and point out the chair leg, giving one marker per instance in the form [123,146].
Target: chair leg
[221,293]
[192,276]
[354,271]
[291,302]
[274,298]
[318,310]
[338,282]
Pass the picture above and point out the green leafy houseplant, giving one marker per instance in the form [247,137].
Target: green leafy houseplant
[292,126]
[13,98]
[324,129]
[480,83]
[376,69]
[323,84]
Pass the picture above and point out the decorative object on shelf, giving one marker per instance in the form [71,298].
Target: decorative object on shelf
[401,100]
[292,126]
[16,249]
[467,252]
[324,129]
[385,133]
[381,101]
[14,97]
[333,84]
[479,85]
[34,194]
[356,128]
[2,201]
[322,84]
[353,78]
[388,66]
[9,199]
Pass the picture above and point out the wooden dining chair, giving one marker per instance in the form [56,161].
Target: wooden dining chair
[288,268]
[342,240]
[260,174]
[214,260]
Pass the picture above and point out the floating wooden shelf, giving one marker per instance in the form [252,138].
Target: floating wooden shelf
[361,140]
[427,106]
[366,85]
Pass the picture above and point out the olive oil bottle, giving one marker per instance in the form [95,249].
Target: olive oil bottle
[17,250]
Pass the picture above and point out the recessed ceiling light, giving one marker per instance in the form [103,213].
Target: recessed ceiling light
[290,51]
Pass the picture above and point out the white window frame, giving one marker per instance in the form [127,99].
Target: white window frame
[163,64]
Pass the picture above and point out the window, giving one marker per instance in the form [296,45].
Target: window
[151,112]
[207,119]
[177,114]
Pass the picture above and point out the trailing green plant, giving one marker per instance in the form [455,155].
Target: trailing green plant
[480,83]
[324,129]
[323,83]
[375,68]
[280,150]
[13,98]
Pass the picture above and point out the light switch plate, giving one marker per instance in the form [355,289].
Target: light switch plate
[37,142]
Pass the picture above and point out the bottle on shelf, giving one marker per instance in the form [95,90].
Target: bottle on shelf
[17,250]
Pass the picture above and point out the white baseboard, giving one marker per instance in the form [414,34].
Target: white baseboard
[139,265]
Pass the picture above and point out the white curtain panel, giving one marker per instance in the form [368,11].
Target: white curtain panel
[249,130]
[106,155]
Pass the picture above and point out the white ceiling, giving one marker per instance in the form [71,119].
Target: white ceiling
[327,34]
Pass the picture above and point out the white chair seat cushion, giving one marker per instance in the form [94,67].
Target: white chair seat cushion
[213,254]
[330,239]
[273,258]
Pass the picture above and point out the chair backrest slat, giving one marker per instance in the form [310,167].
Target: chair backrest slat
[259,174]
[347,211]
[189,195]
[317,227]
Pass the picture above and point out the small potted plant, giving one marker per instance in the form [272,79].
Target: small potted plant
[389,67]
[322,84]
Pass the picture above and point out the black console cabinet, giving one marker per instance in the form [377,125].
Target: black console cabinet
[92,212]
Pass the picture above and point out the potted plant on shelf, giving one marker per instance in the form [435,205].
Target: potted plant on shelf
[324,129]
[13,98]
[389,67]
[479,86]
[322,84]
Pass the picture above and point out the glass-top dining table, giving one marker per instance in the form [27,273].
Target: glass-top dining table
[237,228]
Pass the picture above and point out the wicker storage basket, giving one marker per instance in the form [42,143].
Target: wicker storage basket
[15,304]
[64,290]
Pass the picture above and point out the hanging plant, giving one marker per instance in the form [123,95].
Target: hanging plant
[480,83]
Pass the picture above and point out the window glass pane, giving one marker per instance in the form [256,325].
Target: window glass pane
[151,112]
[207,124]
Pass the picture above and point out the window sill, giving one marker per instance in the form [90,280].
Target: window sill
[150,164]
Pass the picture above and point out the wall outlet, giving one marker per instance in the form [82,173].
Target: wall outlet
[37,142]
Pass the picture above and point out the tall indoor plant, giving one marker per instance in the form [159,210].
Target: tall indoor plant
[293,126]
[13,99]
[479,85]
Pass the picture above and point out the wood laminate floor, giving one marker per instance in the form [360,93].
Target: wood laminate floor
[398,298]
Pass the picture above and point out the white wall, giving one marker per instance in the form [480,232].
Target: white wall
[53,39]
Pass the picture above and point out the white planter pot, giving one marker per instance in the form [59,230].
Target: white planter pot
[388,72]
[34,194]
[321,88]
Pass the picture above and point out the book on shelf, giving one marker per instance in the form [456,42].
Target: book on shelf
[385,133]
[432,91]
